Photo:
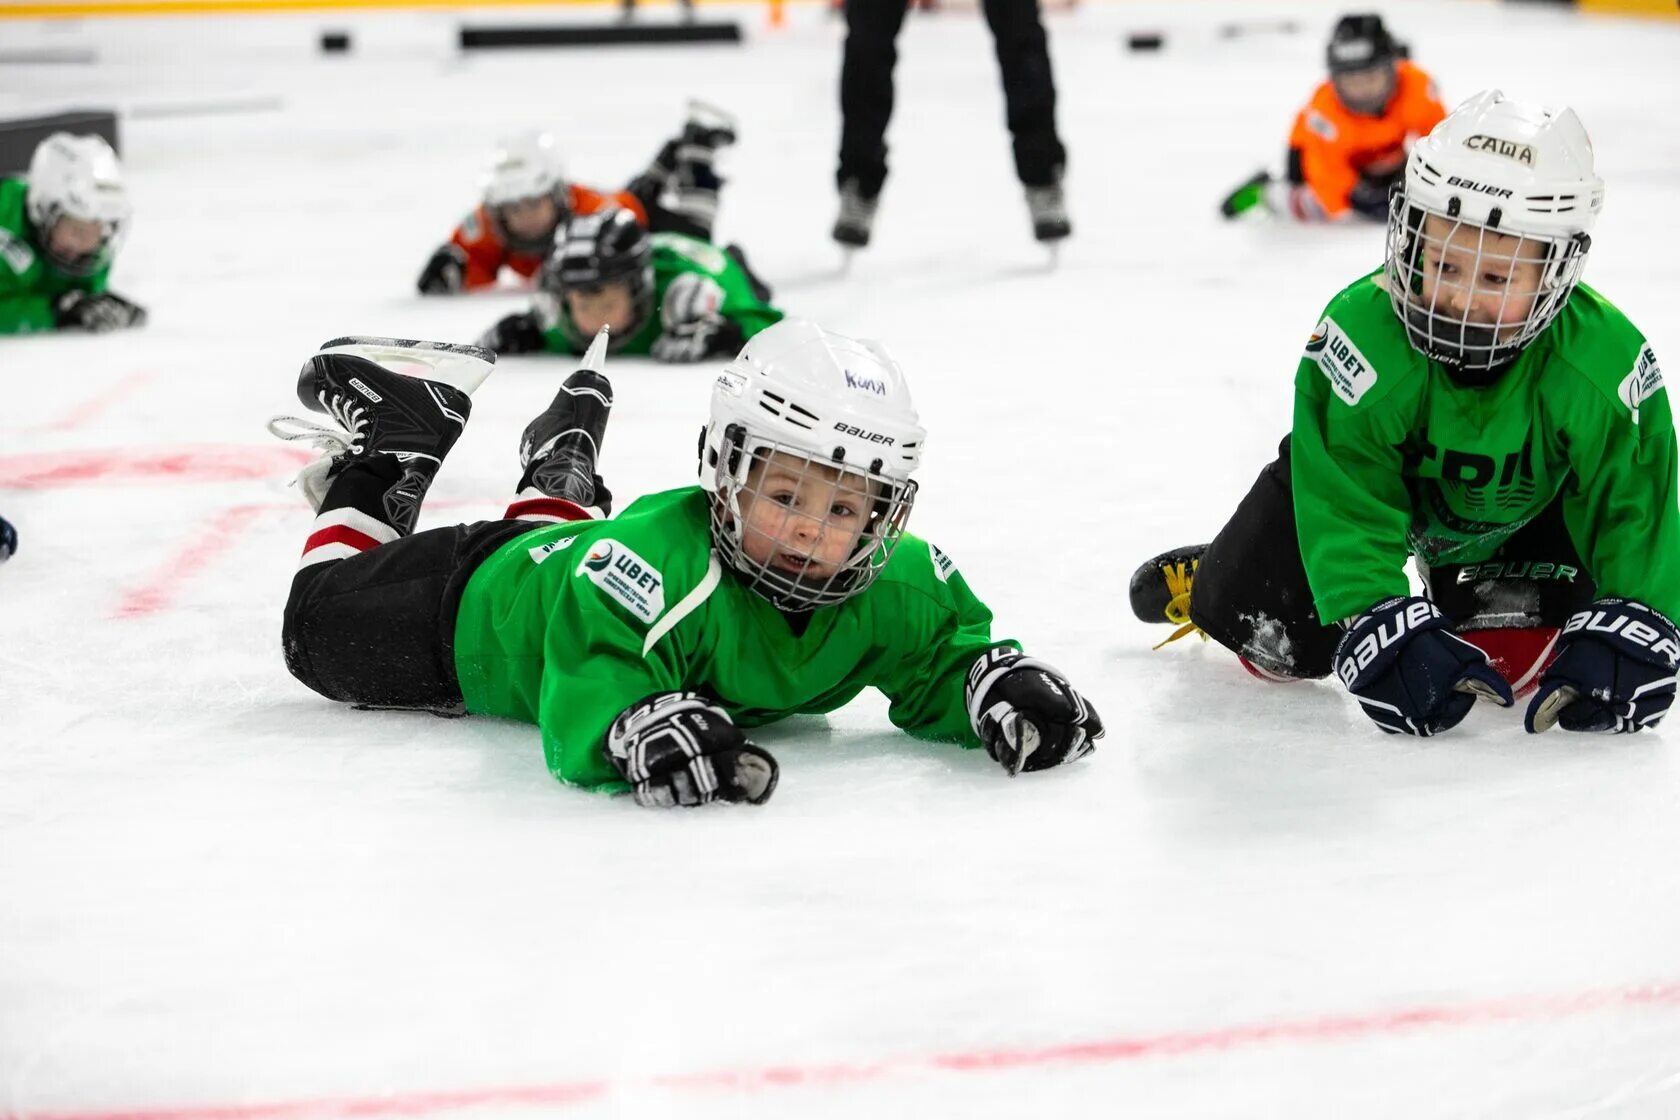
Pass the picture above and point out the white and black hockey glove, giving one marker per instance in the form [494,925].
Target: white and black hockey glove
[8,540]
[676,748]
[104,311]
[696,341]
[1027,714]
[1614,671]
[445,273]
[1410,672]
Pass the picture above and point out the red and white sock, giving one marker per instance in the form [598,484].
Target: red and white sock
[531,504]
[341,533]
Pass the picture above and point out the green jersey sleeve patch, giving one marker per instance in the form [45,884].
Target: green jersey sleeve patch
[1339,360]
[942,565]
[615,568]
[15,251]
[1642,382]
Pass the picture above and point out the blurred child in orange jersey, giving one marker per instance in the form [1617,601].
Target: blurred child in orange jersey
[527,198]
[1349,144]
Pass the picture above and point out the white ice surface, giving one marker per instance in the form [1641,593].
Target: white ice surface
[221,895]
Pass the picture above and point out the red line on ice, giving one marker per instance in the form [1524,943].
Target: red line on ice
[220,533]
[215,537]
[88,410]
[1330,1028]
[204,463]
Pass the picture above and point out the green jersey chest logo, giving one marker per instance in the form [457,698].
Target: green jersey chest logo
[615,568]
[1340,361]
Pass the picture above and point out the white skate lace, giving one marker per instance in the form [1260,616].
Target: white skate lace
[334,439]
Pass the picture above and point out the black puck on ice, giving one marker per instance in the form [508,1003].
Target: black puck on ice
[1144,41]
[335,42]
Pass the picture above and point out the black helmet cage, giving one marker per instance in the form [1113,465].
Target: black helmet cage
[890,503]
[1361,42]
[625,258]
[1473,350]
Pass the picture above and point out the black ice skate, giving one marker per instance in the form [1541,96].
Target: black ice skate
[1048,207]
[560,448]
[399,405]
[708,126]
[1160,590]
[857,216]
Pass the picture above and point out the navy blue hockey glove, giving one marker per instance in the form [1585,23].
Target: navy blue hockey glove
[88,311]
[8,540]
[445,273]
[520,333]
[675,748]
[1410,672]
[1614,671]
[712,336]
[1027,714]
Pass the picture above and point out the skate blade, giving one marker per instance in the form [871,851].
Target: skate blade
[595,358]
[458,364]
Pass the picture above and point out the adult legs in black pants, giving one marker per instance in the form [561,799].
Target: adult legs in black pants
[866,105]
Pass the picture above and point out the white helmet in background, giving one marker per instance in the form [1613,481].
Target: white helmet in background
[1494,166]
[833,404]
[526,167]
[78,177]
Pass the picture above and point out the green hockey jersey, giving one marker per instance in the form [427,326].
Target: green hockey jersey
[674,255]
[1391,457]
[568,625]
[29,282]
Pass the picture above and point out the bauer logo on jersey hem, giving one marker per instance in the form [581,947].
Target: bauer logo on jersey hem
[1339,360]
[942,565]
[616,569]
[1641,383]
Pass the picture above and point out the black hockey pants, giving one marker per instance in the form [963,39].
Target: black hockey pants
[378,628]
[1251,593]
[866,89]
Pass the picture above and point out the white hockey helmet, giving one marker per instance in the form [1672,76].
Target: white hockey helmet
[78,177]
[523,167]
[1498,167]
[839,406]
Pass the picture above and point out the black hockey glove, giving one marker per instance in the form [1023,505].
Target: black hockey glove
[8,540]
[520,333]
[445,273]
[87,311]
[675,748]
[1027,714]
[1410,672]
[1614,671]
[699,339]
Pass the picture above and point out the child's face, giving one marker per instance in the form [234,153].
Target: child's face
[1478,277]
[530,219]
[802,518]
[74,238]
[1365,91]
[594,308]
